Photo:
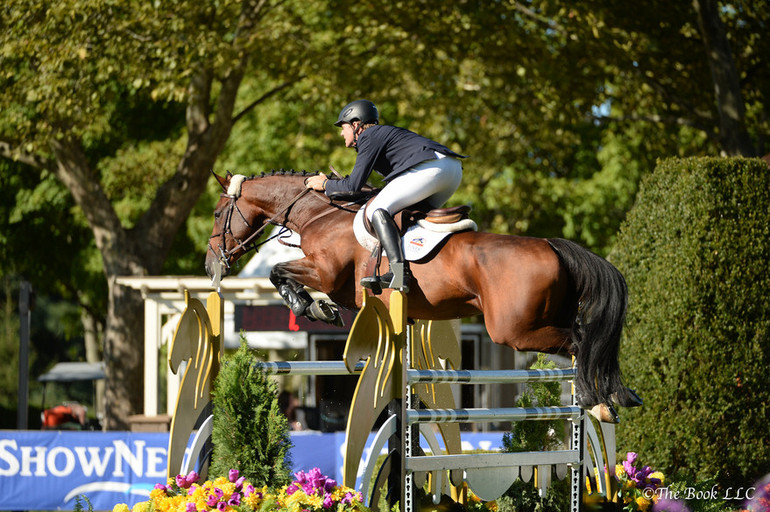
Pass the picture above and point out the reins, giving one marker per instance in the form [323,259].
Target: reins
[249,244]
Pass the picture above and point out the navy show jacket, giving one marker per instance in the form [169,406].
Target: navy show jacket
[389,150]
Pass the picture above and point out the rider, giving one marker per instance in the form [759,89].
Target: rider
[415,169]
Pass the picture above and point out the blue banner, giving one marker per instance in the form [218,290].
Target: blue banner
[47,470]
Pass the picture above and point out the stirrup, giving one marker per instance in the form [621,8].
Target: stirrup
[374,283]
[397,277]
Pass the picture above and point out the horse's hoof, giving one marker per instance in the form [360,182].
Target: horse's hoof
[322,310]
[604,413]
[628,399]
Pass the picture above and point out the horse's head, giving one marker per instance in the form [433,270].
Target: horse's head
[238,223]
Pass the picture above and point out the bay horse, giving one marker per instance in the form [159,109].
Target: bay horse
[535,294]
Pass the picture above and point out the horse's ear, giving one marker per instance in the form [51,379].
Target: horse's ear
[223,182]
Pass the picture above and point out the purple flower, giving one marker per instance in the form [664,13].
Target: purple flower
[349,497]
[212,500]
[629,469]
[233,474]
[631,457]
[329,485]
[239,482]
[161,487]
[248,490]
[190,507]
[666,505]
[328,501]
[234,500]
[186,481]
[291,489]
[221,506]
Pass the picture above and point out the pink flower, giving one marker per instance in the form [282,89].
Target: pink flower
[186,481]
[233,474]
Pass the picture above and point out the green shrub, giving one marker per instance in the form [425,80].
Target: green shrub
[694,251]
[528,436]
[534,436]
[251,433]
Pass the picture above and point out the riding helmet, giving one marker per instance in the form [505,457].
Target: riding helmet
[359,110]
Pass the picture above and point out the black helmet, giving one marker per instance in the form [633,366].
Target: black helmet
[359,110]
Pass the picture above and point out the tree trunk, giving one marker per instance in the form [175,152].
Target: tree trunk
[124,353]
[734,137]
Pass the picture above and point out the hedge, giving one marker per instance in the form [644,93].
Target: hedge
[694,250]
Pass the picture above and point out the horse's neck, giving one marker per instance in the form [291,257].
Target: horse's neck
[281,197]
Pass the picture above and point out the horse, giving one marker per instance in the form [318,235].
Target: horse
[535,294]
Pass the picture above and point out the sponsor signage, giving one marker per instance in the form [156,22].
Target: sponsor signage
[48,470]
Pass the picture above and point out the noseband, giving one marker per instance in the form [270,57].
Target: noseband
[225,255]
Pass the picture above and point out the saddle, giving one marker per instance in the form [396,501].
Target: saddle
[437,217]
[410,216]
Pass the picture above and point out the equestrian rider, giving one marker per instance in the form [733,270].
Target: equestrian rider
[415,169]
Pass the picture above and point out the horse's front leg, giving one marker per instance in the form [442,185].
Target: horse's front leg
[287,278]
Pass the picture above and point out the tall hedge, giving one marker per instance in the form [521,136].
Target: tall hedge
[250,433]
[695,250]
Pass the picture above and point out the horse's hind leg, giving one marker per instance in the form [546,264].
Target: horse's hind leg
[299,300]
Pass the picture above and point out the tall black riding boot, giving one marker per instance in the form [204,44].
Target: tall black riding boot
[399,276]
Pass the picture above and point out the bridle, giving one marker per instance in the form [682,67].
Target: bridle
[225,255]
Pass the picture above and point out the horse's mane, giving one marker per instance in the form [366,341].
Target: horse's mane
[354,197]
[283,172]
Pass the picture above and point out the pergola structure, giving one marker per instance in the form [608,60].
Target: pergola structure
[164,302]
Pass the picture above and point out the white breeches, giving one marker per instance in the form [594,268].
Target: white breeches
[433,180]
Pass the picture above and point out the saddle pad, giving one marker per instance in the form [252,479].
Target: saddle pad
[417,243]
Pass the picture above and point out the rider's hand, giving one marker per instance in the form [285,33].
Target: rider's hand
[317,182]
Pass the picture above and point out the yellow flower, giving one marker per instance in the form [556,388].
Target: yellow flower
[643,503]
[120,507]
[619,471]
[492,506]
[144,506]
[658,475]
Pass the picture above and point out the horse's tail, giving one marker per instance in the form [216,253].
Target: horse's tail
[601,311]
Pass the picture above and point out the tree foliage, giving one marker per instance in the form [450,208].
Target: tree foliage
[563,107]
[696,345]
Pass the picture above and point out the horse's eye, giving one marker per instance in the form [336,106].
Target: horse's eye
[217,214]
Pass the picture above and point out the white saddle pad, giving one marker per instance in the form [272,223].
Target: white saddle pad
[419,241]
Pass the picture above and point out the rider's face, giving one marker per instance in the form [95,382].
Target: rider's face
[349,133]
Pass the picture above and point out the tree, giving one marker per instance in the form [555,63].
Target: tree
[78,74]
[563,106]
